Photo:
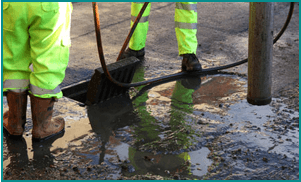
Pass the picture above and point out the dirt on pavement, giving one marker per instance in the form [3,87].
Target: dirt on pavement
[228,138]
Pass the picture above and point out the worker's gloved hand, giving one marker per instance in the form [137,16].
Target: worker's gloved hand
[192,82]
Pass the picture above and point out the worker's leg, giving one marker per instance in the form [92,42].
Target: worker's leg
[138,39]
[16,61]
[186,29]
[50,41]
[16,54]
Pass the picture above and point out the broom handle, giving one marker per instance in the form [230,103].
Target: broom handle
[132,30]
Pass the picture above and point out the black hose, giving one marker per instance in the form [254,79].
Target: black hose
[289,16]
[180,74]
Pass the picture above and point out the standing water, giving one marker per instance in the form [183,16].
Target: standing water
[193,128]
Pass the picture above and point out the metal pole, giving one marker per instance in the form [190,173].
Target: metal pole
[260,52]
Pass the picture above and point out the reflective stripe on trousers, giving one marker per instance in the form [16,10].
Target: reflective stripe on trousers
[16,85]
[185,26]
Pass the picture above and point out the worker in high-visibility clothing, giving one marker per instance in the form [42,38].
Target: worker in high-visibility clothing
[36,33]
[185,27]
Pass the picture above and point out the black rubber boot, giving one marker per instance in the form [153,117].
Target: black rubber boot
[129,53]
[191,63]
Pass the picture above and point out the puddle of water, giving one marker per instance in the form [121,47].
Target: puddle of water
[193,163]
[256,135]
[163,131]
[50,147]
[200,162]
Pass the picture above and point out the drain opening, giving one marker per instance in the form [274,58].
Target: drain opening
[77,91]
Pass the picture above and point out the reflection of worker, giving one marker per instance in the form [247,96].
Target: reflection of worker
[17,153]
[107,117]
[148,131]
[36,33]
[185,27]
[160,164]
[181,106]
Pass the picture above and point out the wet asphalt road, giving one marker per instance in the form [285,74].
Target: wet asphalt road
[197,128]
[177,130]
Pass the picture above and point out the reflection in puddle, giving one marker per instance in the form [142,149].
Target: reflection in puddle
[151,139]
[163,131]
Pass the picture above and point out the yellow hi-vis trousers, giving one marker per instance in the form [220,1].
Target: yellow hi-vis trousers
[185,26]
[36,33]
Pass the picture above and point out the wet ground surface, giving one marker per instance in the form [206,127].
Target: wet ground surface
[197,128]
[177,130]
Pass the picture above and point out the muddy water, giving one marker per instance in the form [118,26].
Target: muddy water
[194,128]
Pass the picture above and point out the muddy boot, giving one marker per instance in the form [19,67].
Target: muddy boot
[14,119]
[44,126]
[129,53]
[191,63]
